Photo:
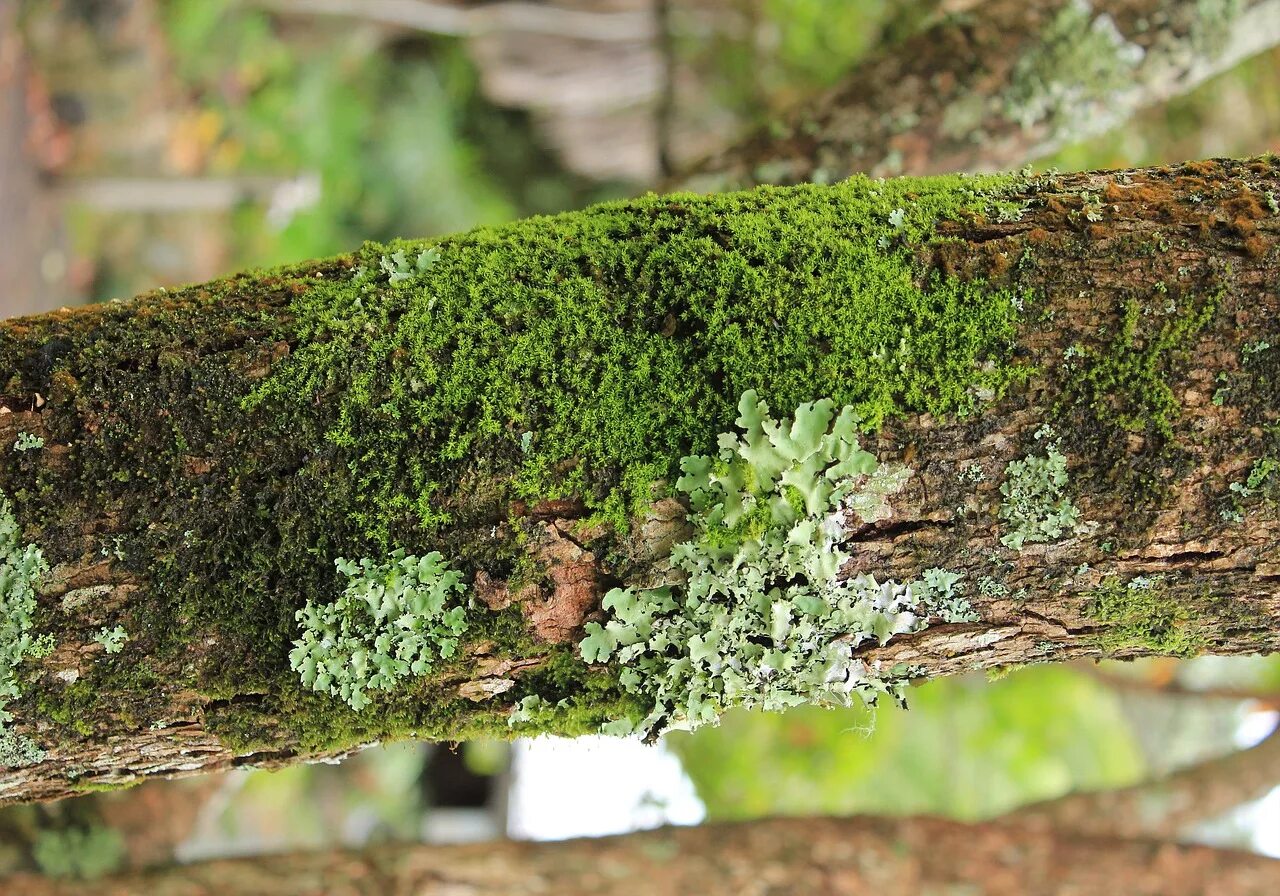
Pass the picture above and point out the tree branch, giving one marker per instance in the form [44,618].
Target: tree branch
[1163,809]
[192,464]
[467,20]
[823,857]
[997,87]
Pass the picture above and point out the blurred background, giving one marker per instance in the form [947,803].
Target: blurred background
[149,143]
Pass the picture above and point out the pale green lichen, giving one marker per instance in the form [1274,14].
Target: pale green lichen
[28,442]
[762,617]
[1034,506]
[21,567]
[393,621]
[18,750]
[399,268]
[112,639]
[1081,60]
[941,594]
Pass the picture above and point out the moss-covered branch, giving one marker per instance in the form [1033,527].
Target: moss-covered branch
[892,857]
[996,87]
[229,500]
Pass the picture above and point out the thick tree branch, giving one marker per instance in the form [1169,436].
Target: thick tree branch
[191,464]
[996,88]
[822,857]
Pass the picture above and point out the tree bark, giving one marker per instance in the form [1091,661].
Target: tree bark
[177,499]
[995,88]
[888,857]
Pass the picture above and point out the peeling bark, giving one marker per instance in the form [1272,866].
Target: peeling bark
[967,94]
[823,857]
[1153,297]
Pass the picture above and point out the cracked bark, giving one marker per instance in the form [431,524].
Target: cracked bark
[824,857]
[952,98]
[1156,506]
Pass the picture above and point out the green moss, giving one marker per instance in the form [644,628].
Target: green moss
[1138,616]
[1126,381]
[243,434]
[588,352]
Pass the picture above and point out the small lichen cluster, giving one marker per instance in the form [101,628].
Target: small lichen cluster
[21,567]
[762,618]
[112,639]
[27,442]
[393,621]
[1034,506]
[399,268]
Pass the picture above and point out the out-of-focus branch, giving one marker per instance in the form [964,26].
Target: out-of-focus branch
[457,19]
[821,857]
[996,87]
[1172,687]
[1164,808]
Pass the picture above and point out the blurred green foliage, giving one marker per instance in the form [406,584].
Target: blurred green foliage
[966,748]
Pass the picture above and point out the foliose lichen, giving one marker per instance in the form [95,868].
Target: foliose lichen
[762,618]
[112,639]
[18,750]
[394,620]
[27,442]
[21,567]
[1035,507]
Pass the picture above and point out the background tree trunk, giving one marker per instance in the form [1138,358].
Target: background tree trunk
[823,857]
[168,503]
[996,87]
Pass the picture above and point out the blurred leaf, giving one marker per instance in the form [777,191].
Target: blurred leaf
[966,748]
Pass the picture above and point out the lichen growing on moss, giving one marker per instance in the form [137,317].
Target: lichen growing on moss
[1035,507]
[1138,615]
[762,617]
[394,620]
[21,567]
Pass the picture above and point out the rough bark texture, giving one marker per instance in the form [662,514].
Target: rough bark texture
[176,498]
[997,87]
[1163,809]
[823,857]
